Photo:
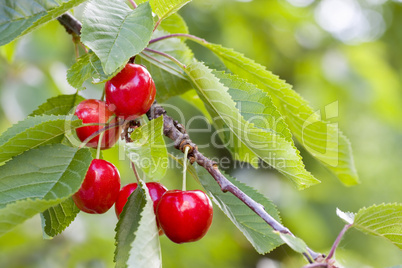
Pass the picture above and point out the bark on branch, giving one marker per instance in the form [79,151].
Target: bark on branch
[176,132]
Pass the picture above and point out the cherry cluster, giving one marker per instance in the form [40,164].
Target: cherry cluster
[184,216]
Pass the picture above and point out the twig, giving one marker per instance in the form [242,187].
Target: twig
[337,241]
[71,24]
[167,56]
[175,131]
[160,62]
[188,36]
[133,3]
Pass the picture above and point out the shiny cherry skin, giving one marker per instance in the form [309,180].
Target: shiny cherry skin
[100,188]
[131,92]
[184,216]
[96,111]
[155,189]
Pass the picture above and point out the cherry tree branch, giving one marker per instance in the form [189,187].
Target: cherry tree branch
[175,131]
[71,24]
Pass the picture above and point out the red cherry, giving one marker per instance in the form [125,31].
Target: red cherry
[96,111]
[131,92]
[100,188]
[184,216]
[155,189]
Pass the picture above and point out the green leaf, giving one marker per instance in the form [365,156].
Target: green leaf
[87,66]
[21,17]
[169,79]
[165,8]
[148,150]
[34,132]
[294,243]
[137,234]
[381,220]
[255,229]
[322,139]
[39,179]
[271,148]
[60,105]
[174,24]
[8,51]
[120,34]
[256,107]
[57,218]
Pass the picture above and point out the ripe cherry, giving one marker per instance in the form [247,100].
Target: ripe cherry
[184,216]
[100,188]
[96,111]
[131,92]
[155,189]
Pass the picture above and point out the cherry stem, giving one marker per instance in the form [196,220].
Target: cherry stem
[157,24]
[133,3]
[137,176]
[98,149]
[337,241]
[186,150]
[188,36]
[167,56]
[117,124]
[77,52]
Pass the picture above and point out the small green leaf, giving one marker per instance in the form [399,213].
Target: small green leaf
[322,139]
[88,66]
[120,34]
[39,179]
[148,150]
[381,220]
[137,234]
[58,218]
[60,105]
[174,24]
[169,79]
[249,141]
[21,17]
[34,132]
[165,8]
[294,243]
[254,228]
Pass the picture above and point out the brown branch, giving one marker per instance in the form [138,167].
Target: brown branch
[71,24]
[175,131]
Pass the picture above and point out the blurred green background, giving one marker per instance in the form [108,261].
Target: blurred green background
[346,52]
